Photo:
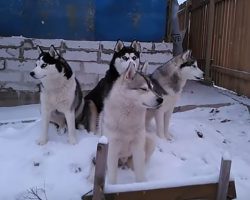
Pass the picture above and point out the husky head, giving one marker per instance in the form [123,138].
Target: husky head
[188,67]
[123,55]
[139,88]
[50,65]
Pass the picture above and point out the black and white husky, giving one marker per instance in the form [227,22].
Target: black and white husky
[169,80]
[61,95]
[93,106]
[123,122]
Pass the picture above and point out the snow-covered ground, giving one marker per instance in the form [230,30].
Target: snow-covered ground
[60,171]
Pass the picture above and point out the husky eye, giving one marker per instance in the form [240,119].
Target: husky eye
[43,66]
[134,57]
[125,58]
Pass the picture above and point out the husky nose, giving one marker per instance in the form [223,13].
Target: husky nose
[159,100]
[32,74]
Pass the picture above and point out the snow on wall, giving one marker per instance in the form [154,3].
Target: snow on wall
[88,59]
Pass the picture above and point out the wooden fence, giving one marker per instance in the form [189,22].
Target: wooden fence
[219,36]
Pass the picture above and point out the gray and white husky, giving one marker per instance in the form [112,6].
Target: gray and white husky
[169,80]
[61,95]
[123,122]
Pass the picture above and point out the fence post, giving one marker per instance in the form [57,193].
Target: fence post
[209,40]
[169,21]
[224,179]
[100,169]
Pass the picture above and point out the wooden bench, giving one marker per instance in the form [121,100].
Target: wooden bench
[220,189]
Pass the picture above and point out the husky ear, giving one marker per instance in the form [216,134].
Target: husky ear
[186,54]
[119,45]
[136,45]
[39,49]
[52,52]
[130,72]
[143,68]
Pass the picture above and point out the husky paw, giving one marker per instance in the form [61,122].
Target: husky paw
[72,141]
[161,136]
[42,141]
[169,137]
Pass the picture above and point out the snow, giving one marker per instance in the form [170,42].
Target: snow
[200,138]
[103,140]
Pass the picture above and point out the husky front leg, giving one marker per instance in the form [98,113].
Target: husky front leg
[112,161]
[46,114]
[159,120]
[70,119]
[138,155]
[167,116]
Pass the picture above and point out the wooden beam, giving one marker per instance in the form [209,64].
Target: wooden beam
[100,171]
[224,179]
[169,21]
[209,40]
[204,191]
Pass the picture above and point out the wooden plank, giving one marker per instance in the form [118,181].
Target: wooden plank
[100,171]
[232,72]
[209,40]
[205,191]
[224,179]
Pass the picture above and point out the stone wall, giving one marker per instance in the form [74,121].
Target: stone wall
[88,59]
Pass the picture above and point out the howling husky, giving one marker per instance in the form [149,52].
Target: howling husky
[169,80]
[61,95]
[123,122]
[123,55]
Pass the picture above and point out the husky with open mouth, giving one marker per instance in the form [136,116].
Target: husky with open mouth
[122,56]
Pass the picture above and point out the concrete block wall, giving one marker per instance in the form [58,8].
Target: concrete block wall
[88,59]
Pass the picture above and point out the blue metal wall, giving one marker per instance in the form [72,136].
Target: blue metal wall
[144,20]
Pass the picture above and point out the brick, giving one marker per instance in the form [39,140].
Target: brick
[151,68]
[106,57]
[9,53]
[90,67]
[20,66]
[108,44]
[2,64]
[47,42]
[156,57]
[88,45]
[75,66]
[146,46]
[164,46]
[31,54]
[10,76]
[80,56]
[87,78]
[11,41]
[22,86]
[86,87]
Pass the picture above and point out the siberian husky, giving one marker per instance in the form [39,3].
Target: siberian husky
[123,122]
[61,95]
[123,55]
[169,80]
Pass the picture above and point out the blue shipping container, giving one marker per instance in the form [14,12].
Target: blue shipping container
[144,20]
